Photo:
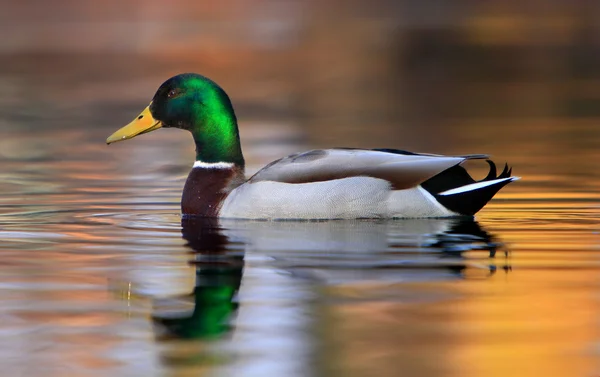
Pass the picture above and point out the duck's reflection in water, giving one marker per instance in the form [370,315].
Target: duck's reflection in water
[373,249]
[464,235]
[329,251]
[218,277]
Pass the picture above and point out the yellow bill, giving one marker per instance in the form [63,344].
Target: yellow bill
[142,124]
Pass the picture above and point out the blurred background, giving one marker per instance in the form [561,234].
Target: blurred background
[516,79]
[369,73]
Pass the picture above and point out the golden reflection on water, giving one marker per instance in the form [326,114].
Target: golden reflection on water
[526,323]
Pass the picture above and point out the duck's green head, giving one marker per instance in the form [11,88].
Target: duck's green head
[195,103]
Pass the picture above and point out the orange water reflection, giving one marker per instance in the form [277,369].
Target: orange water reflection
[525,323]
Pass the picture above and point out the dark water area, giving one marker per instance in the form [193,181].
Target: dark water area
[99,275]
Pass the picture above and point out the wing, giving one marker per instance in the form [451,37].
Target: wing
[402,169]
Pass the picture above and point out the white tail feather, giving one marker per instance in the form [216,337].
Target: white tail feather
[477,186]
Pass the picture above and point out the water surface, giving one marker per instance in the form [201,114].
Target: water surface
[100,276]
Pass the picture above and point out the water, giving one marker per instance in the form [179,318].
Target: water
[100,276]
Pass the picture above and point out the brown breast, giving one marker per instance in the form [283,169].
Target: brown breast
[206,188]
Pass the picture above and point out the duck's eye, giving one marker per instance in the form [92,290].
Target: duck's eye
[172,93]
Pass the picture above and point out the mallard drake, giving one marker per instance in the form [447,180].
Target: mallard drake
[339,183]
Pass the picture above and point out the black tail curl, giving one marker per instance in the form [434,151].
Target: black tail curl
[468,202]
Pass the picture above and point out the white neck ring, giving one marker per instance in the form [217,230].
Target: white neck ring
[213,165]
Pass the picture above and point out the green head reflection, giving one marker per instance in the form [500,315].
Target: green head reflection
[218,278]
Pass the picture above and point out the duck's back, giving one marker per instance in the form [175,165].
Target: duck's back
[347,184]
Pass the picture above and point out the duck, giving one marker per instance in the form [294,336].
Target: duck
[319,184]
